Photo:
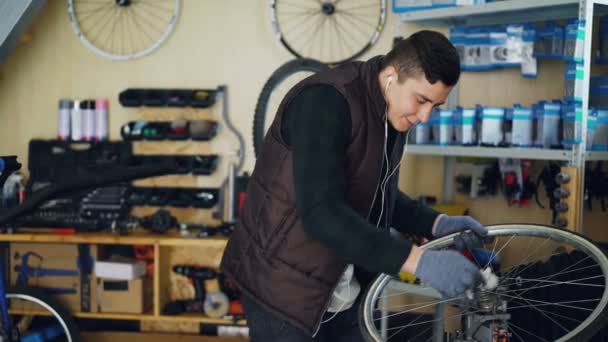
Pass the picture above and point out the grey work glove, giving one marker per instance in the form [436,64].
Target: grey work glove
[454,224]
[448,272]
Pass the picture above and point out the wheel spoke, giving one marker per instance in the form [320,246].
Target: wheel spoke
[529,333]
[557,280]
[123,30]
[331,42]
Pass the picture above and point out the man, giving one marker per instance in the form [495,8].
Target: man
[324,192]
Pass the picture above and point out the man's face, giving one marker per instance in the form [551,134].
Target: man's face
[413,100]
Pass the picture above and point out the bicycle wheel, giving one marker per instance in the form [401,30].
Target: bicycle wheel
[277,86]
[551,287]
[332,31]
[123,29]
[37,317]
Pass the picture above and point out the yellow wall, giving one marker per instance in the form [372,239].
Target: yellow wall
[215,42]
[218,42]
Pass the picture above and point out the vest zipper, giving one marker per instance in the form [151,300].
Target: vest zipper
[328,302]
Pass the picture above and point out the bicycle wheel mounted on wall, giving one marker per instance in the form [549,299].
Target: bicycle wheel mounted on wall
[332,32]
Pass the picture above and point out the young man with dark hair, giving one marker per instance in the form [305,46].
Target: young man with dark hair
[315,226]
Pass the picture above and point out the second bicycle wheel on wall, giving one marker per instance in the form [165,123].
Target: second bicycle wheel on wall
[331,31]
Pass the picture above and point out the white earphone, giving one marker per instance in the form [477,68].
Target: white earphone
[388,82]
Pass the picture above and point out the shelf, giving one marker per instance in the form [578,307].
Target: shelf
[490,152]
[136,317]
[136,238]
[594,156]
[495,13]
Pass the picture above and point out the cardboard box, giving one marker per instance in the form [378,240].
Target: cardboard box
[125,296]
[120,269]
[57,271]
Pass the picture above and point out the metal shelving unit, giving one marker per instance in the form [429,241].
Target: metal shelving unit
[496,13]
[516,11]
[490,152]
[596,156]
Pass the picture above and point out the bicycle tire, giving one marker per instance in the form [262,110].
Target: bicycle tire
[355,20]
[37,296]
[600,314]
[106,15]
[278,76]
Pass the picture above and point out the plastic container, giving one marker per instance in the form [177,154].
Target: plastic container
[422,134]
[477,49]
[572,118]
[464,126]
[400,6]
[549,41]
[458,38]
[492,120]
[499,53]
[514,45]
[522,127]
[434,124]
[603,45]
[63,123]
[547,124]
[446,127]
[529,66]
[101,120]
[599,92]
[591,127]
[507,127]
[76,121]
[573,86]
[467,133]
[557,48]
[575,40]
[444,3]
[88,119]
[600,138]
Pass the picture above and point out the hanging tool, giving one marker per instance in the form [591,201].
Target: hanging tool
[547,178]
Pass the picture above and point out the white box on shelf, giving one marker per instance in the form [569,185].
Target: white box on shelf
[120,269]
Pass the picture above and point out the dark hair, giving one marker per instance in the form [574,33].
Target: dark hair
[425,51]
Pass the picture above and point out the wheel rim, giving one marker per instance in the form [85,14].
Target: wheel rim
[537,240]
[123,29]
[332,31]
[29,312]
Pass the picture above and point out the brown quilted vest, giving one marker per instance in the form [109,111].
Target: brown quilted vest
[270,255]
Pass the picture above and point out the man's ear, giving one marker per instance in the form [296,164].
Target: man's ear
[391,71]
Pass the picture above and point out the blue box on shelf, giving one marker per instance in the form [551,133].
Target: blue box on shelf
[422,134]
[443,129]
[603,46]
[464,126]
[598,92]
[600,138]
[591,127]
[547,116]
[402,6]
[492,131]
[522,133]
[572,119]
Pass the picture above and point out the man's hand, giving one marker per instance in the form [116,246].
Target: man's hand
[445,225]
[448,272]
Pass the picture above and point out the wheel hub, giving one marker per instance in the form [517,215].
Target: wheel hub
[123,3]
[328,8]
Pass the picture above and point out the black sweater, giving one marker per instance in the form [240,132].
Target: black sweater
[321,187]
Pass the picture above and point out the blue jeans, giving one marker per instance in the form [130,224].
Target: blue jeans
[266,327]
